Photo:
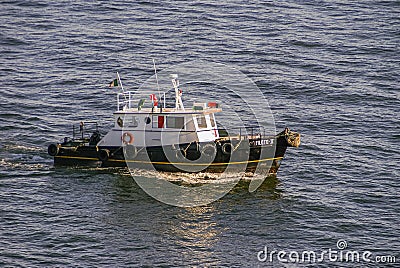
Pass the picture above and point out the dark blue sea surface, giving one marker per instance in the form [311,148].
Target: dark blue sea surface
[329,69]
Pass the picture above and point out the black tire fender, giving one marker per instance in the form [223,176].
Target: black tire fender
[130,151]
[53,149]
[103,154]
[227,148]
[209,150]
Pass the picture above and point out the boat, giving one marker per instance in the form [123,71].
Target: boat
[172,139]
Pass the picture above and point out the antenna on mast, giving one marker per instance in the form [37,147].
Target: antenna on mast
[178,92]
[158,86]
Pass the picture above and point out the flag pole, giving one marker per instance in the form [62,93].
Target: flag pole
[119,80]
[158,86]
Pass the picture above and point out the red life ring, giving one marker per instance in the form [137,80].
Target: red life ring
[127,138]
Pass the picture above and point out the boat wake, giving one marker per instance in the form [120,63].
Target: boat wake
[23,157]
[196,179]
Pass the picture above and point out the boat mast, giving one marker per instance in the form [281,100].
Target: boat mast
[158,86]
[178,93]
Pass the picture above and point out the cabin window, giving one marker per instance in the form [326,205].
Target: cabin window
[175,122]
[201,121]
[212,120]
[158,121]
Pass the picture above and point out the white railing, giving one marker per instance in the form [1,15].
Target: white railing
[126,100]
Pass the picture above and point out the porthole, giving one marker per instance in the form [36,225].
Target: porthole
[120,122]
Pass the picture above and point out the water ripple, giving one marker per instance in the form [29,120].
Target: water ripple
[329,70]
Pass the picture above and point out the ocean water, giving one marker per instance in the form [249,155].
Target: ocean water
[329,69]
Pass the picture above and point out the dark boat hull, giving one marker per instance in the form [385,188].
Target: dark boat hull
[224,154]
